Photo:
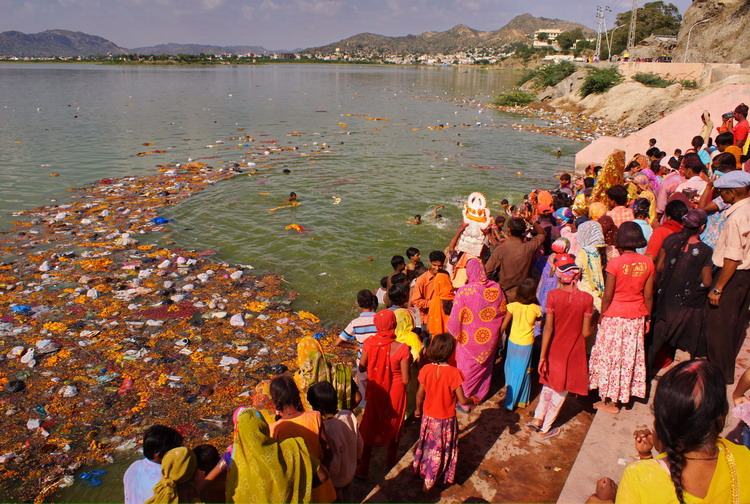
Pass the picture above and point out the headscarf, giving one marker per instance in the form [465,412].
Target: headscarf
[405,332]
[610,176]
[561,245]
[264,470]
[642,161]
[652,178]
[596,210]
[437,320]
[314,368]
[609,229]
[477,315]
[177,466]
[564,214]
[642,181]
[590,237]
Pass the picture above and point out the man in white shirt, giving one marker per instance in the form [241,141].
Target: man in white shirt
[142,475]
[694,183]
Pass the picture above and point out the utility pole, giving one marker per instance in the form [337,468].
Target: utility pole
[631,35]
[600,19]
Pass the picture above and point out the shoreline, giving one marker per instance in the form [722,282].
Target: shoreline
[125,328]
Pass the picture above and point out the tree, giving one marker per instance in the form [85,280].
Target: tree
[542,37]
[567,39]
[654,18]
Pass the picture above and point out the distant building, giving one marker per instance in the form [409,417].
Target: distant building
[546,37]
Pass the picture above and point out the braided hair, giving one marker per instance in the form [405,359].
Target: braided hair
[690,408]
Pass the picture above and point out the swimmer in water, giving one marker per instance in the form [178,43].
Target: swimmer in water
[292,198]
[435,214]
[417,220]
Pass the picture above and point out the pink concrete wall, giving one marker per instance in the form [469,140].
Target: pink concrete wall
[672,132]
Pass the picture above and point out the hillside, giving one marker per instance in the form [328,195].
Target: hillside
[52,43]
[460,37]
[172,48]
[716,40]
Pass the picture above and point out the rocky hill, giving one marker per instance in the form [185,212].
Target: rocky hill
[172,48]
[721,38]
[52,43]
[460,37]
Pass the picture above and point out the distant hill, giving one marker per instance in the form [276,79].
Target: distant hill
[172,48]
[52,43]
[460,37]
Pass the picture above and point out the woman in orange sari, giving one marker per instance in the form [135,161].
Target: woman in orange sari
[610,176]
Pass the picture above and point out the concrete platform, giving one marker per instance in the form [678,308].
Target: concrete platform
[498,460]
[609,446]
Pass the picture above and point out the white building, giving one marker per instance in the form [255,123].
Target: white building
[546,38]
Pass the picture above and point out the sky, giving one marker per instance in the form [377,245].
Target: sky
[282,24]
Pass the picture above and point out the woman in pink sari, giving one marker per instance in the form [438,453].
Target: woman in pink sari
[478,311]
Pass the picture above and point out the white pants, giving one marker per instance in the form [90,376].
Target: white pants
[550,403]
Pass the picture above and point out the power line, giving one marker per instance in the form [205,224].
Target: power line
[600,13]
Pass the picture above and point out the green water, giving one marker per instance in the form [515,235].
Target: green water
[384,172]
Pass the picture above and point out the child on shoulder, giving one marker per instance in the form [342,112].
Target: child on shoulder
[344,438]
[439,390]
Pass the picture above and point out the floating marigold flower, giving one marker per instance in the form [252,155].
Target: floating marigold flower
[308,316]
[55,327]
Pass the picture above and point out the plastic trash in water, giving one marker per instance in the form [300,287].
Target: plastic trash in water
[93,477]
[20,309]
[160,220]
[318,335]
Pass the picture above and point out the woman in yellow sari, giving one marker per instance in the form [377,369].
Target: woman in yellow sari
[177,470]
[696,465]
[314,368]
[610,176]
[263,470]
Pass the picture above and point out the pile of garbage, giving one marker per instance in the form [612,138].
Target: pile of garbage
[102,334]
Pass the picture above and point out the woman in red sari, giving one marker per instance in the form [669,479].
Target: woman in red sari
[386,362]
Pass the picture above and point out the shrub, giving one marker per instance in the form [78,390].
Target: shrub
[690,84]
[514,99]
[554,73]
[600,80]
[550,74]
[652,80]
[526,77]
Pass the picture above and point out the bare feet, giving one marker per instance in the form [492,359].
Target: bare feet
[607,407]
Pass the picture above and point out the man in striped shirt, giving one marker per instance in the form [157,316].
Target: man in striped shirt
[358,330]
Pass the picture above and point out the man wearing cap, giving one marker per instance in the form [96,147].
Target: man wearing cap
[729,297]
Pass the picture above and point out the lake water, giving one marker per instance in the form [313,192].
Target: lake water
[86,122]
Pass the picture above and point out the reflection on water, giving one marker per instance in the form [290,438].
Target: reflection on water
[85,122]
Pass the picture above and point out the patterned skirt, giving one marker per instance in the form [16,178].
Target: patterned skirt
[437,450]
[618,360]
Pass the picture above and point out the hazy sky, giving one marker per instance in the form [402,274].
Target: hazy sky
[280,24]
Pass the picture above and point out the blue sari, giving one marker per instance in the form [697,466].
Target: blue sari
[517,375]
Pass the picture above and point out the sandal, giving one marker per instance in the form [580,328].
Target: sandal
[532,426]
[552,433]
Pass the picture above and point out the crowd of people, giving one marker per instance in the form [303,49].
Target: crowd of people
[593,285]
